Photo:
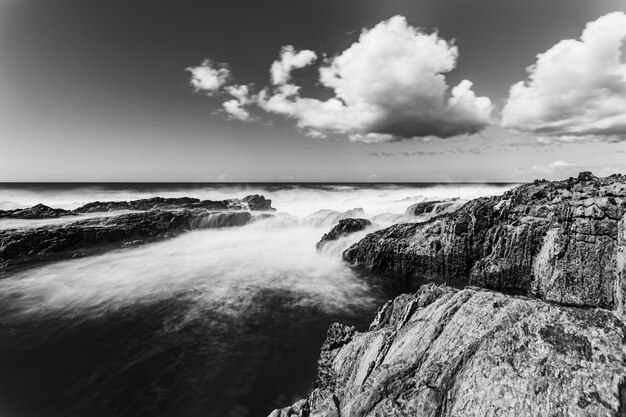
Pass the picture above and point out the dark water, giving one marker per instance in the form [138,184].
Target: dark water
[212,323]
[149,360]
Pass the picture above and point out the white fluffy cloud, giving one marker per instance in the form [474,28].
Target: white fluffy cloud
[388,85]
[290,59]
[577,87]
[235,110]
[209,76]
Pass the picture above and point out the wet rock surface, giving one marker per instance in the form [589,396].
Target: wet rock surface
[472,352]
[156,218]
[39,211]
[557,241]
[22,247]
[344,228]
[254,202]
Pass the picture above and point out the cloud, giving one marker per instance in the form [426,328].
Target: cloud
[289,60]
[388,85]
[209,76]
[577,87]
[234,109]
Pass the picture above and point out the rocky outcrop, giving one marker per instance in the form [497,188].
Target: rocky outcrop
[472,352]
[434,208]
[39,211]
[257,202]
[344,228]
[557,241]
[254,202]
[156,203]
[251,202]
[19,247]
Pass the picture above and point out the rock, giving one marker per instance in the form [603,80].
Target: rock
[472,352]
[434,208]
[39,211]
[23,247]
[257,202]
[557,241]
[156,203]
[344,228]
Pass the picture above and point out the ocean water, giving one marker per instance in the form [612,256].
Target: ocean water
[221,322]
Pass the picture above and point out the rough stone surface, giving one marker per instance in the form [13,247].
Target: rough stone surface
[27,246]
[344,228]
[555,240]
[472,352]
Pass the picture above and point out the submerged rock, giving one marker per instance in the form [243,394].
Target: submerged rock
[344,228]
[472,352]
[20,247]
[39,211]
[557,241]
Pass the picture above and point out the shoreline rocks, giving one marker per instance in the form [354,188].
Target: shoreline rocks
[39,211]
[150,220]
[557,241]
[254,202]
[482,351]
[472,352]
[25,247]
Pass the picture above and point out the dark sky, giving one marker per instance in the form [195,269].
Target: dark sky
[97,89]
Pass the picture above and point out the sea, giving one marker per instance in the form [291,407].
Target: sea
[220,322]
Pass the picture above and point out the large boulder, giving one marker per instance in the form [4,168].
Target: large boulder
[472,352]
[557,241]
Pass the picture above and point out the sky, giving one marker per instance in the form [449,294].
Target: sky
[295,90]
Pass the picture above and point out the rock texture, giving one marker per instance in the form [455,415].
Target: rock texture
[472,352]
[39,211]
[254,202]
[344,228]
[557,241]
[20,247]
[251,202]
[258,203]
